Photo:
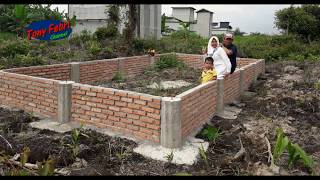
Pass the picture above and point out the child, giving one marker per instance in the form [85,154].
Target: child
[208,73]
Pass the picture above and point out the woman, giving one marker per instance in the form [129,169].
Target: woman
[222,63]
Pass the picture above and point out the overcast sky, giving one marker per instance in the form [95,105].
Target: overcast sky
[249,18]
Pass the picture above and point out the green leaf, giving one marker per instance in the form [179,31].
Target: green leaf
[210,133]
[183,174]
[25,155]
[281,144]
[46,169]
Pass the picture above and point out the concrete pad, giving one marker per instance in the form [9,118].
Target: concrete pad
[187,154]
[169,84]
[232,109]
[54,125]
[227,115]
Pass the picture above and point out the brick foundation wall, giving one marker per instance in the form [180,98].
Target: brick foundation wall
[57,71]
[197,107]
[102,70]
[249,74]
[125,112]
[29,93]
[121,111]
[132,66]
[231,87]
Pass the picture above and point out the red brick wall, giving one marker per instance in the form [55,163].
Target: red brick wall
[57,71]
[191,60]
[102,70]
[132,66]
[231,87]
[29,93]
[121,111]
[249,73]
[197,106]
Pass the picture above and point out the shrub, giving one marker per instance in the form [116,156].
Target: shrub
[169,61]
[103,33]
[10,48]
[93,47]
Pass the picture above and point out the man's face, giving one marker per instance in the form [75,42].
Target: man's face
[227,41]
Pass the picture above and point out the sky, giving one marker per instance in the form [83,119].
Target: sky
[249,18]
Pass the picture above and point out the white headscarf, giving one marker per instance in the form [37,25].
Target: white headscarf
[210,49]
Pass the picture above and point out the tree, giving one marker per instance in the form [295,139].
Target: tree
[164,28]
[237,32]
[302,21]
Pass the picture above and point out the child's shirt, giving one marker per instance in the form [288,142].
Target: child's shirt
[208,75]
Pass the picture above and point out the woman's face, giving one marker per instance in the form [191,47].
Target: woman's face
[214,43]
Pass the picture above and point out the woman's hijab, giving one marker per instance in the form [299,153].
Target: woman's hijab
[210,49]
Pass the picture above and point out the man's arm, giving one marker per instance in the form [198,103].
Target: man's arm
[229,52]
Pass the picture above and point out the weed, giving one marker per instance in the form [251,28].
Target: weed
[169,157]
[118,77]
[203,155]
[295,151]
[210,133]
[74,146]
[182,174]
[46,168]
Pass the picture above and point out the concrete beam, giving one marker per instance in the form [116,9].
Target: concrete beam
[220,94]
[171,133]
[151,60]
[64,101]
[75,72]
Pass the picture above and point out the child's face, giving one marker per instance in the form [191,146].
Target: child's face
[208,65]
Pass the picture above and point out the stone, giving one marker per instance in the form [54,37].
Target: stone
[169,84]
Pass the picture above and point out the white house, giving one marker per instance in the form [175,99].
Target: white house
[202,25]
[91,16]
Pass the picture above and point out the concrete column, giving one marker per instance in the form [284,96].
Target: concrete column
[220,94]
[64,101]
[171,133]
[242,81]
[75,72]
[152,60]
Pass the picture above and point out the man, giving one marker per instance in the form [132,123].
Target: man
[231,50]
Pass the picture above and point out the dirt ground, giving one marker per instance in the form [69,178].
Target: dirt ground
[151,75]
[285,97]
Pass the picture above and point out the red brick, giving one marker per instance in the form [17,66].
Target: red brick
[107,112]
[139,123]
[109,102]
[126,99]
[133,116]
[121,104]
[145,98]
[141,113]
[154,105]
[118,93]
[132,127]
[152,115]
[102,95]
[102,106]
[96,109]
[120,124]
[117,98]
[151,126]
[151,110]
[113,118]
[91,104]
[134,106]
[126,110]
[125,120]
[145,130]
[80,102]
[114,108]
[146,119]
[134,96]
[140,102]
[120,114]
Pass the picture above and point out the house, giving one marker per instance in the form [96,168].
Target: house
[202,25]
[222,29]
[91,16]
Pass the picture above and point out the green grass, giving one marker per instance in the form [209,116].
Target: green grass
[8,36]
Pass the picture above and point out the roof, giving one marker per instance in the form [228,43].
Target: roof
[183,8]
[203,10]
